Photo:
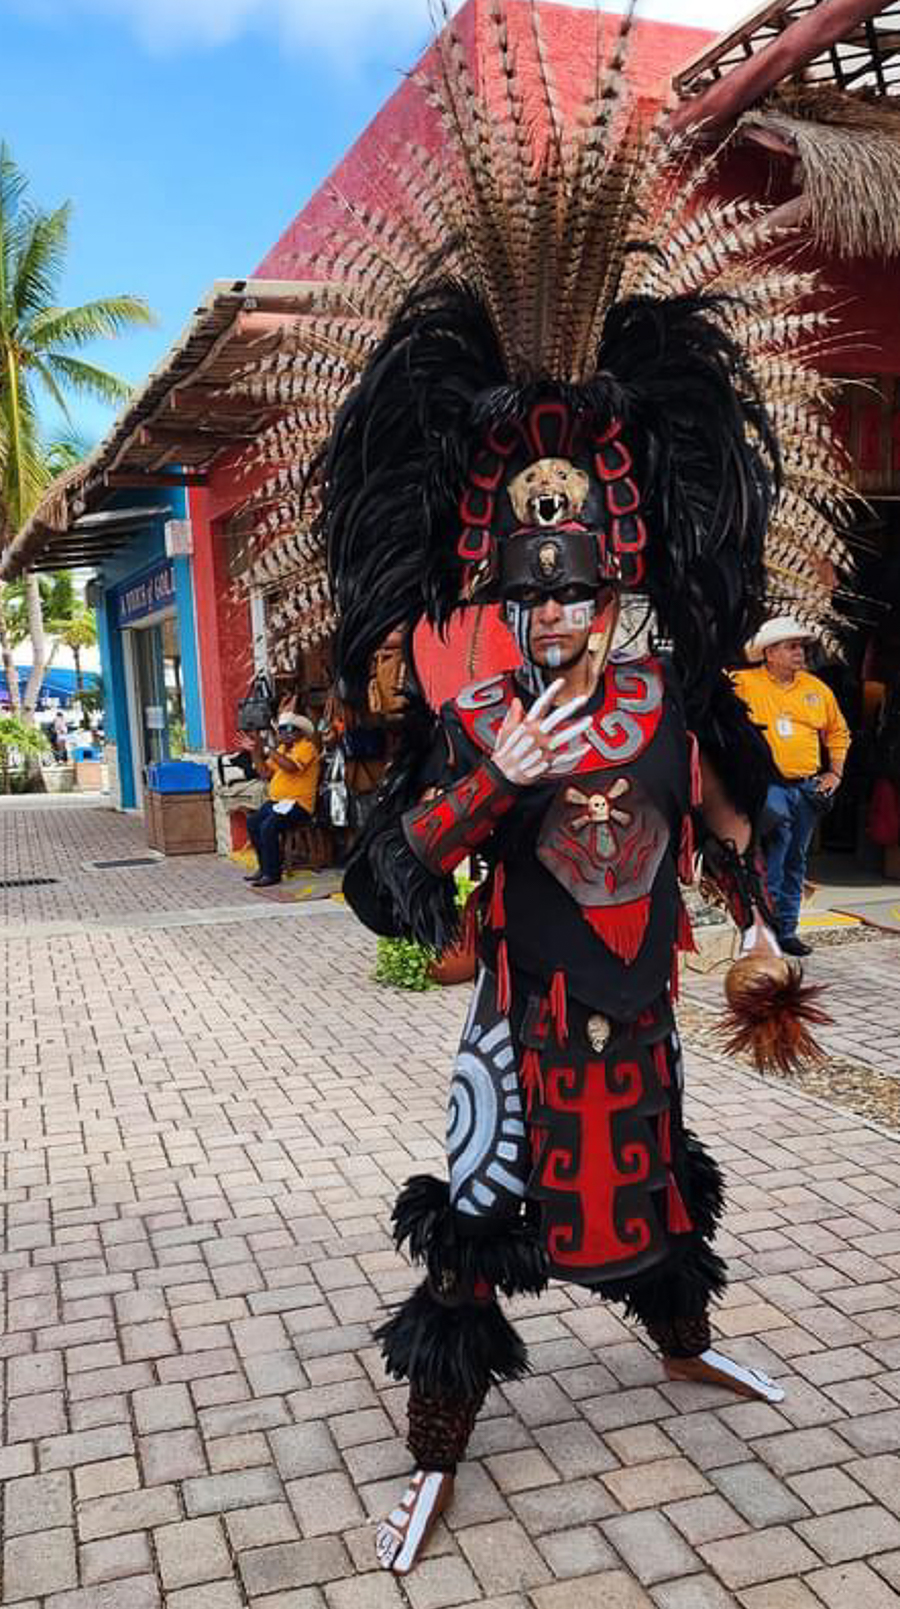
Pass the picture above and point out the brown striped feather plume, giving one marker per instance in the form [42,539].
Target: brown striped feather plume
[552,216]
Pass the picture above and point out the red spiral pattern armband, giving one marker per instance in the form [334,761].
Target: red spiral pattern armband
[442,832]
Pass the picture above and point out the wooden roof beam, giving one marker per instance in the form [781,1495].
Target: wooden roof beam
[810,35]
[132,477]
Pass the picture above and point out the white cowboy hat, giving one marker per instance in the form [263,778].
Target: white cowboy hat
[298,722]
[782,628]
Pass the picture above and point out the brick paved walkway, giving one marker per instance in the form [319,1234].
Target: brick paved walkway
[204,1125]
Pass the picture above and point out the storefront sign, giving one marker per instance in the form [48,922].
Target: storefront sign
[153,592]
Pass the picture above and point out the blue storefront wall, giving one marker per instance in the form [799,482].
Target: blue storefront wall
[143,559]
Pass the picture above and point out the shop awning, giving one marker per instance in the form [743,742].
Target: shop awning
[172,430]
[848,44]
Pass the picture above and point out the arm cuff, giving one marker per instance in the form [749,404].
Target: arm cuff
[444,831]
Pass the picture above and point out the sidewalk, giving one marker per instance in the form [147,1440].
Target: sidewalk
[207,1113]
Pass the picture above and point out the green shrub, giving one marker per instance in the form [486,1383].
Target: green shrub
[19,740]
[404,964]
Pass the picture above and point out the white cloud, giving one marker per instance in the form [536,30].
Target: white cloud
[343,28]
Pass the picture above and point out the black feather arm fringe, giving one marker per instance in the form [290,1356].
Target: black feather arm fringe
[451,1351]
[384,884]
[735,747]
[509,1259]
[424,906]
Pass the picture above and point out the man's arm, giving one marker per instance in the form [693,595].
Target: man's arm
[836,740]
[294,767]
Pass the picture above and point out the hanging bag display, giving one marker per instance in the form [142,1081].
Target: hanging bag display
[255,713]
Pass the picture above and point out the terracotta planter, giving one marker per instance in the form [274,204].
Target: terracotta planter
[456,965]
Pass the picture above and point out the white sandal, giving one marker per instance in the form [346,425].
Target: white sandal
[401,1537]
[713,1368]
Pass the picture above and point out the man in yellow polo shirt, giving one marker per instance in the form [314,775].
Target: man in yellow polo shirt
[292,767]
[809,740]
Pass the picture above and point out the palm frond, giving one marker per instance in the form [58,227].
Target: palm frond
[85,379]
[40,259]
[77,326]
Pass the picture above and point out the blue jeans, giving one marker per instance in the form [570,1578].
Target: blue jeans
[794,816]
[266,829]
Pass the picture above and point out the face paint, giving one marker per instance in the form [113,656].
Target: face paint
[554,656]
[518,618]
[578,616]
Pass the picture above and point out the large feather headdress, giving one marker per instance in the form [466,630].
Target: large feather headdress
[580,256]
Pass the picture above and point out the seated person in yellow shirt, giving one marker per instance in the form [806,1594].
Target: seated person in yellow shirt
[292,768]
[809,739]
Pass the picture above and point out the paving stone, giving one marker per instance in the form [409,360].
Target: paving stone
[854,1533]
[852,1584]
[439,1583]
[293,1564]
[824,1490]
[693,1592]
[127,1511]
[136,1592]
[260,1527]
[118,1556]
[705,1519]
[574,1450]
[41,1563]
[163,1408]
[650,1546]
[742,1561]
[213,1595]
[86,1447]
[191,1551]
[502,1557]
[214,1494]
[786,1594]
[576,1553]
[306,1449]
[377,1590]
[651,1485]
[759,1495]
[797,1450]
[521,1471]
[171,1455]
[611,1589]
[551,1508]
[324,1504]
[37,1503]
[704,1439]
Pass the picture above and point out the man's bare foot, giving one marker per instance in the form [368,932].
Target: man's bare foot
[401,1537]
[713,1368]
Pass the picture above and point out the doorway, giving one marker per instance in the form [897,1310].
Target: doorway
[156,694]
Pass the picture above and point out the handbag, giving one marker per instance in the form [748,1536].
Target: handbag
[237,767]
[334,787]
[255,713]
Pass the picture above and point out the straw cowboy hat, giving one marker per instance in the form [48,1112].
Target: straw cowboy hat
[298,722]
[782,628]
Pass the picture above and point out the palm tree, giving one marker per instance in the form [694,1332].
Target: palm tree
[39,345]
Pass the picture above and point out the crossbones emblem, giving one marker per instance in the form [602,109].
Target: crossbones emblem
[599,816]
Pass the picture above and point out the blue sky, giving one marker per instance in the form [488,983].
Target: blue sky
[188,133]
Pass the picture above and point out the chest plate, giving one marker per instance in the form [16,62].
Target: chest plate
[603,839]
[621,726]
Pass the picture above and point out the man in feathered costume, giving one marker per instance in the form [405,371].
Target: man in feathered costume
[565,378]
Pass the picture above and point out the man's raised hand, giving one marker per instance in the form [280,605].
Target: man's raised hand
[529,745]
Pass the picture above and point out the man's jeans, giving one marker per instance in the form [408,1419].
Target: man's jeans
[793,813]
[266,830]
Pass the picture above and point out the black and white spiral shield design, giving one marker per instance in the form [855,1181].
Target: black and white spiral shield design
[487,1141]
